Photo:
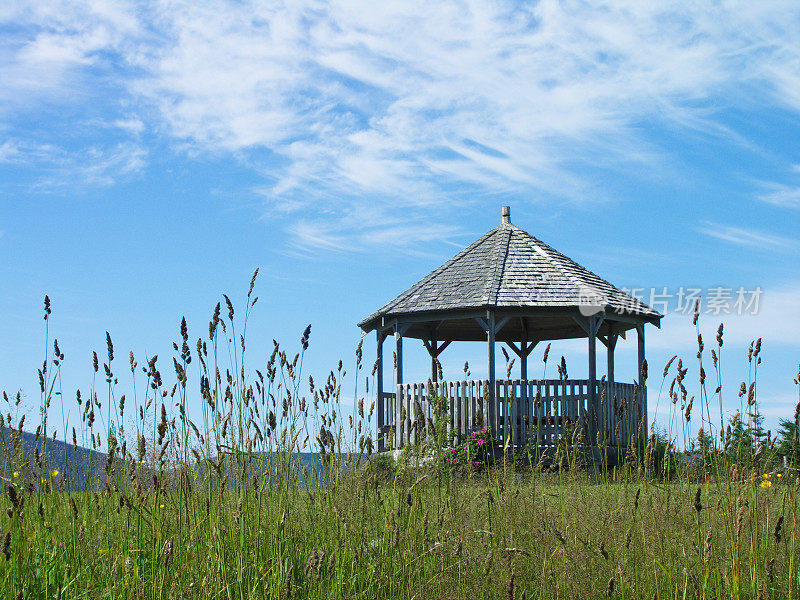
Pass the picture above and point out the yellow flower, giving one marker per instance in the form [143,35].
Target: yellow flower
[161,506]
[766,476]
[54,473]
[780,475]
[765,484]
[16,474]
[42,479]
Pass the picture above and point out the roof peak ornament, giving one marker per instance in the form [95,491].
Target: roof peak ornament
[506,214]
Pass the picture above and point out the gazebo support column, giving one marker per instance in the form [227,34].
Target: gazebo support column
[524,349]
[592,326]
[608,410]
[381,406]
[434,348]
[641,419]
[491,328]
[398,341]
[491,410]
[521,403]
[399,330]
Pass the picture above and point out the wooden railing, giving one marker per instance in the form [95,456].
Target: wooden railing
[540,412]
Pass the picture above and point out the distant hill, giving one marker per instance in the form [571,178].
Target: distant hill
[74,463]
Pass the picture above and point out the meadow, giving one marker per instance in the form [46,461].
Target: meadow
[224,508]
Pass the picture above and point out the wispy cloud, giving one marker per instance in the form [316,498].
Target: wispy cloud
[747,237]
[786,195]
[56,167]
[337,102]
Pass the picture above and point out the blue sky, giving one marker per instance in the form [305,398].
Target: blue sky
[153,154]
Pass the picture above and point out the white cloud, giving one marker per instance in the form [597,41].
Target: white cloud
[747,237]
[393,101]
[776,306]
[57,167]
[781,194]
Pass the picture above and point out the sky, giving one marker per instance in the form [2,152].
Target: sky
[153,154]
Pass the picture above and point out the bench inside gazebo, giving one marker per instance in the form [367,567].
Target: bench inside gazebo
[509,287]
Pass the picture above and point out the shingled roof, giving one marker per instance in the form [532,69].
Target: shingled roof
[510,269]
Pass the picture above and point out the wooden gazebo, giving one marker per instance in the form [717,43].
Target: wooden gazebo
[509,287]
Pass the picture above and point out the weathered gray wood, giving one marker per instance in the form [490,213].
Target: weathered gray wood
[399,442]
[434,355]
[641,401]
[381,416]
[398,340]
[491,409]
[565,404]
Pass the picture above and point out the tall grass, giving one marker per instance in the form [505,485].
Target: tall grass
[227,507]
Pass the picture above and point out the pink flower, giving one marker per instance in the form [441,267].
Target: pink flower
[474,434]
[453,451]
[483,431]
[466,448]
[480,442]
[477,463]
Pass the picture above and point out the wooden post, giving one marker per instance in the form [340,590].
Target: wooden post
[612,342]
[398,340]
[491,410]
[608,413]
[590,429]
[434,355]
[641,426]
[381,435]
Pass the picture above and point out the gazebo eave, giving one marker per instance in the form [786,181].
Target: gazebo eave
[531,323]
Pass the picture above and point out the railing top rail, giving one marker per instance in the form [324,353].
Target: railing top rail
[517,382]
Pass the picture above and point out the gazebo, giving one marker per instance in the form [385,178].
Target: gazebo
[510,287]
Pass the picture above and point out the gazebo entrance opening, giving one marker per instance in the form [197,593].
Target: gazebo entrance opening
[509,287]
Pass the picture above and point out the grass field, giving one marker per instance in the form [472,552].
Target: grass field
[431,534]
[221,509]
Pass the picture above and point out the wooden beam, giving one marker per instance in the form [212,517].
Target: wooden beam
[640,354]
[491,410]
[398,340]
[441,347]
[593,326]
[381,435]
[642,426]
[513,346]
[501,324]
[433,350]
[612,343]
[592,380]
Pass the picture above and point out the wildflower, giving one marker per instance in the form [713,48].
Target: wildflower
[466,448]
[16,474]
[780,475]
[765,484]
[453,451]
[477,463]
[480,442]
[42,479]
[160,506]
[54,473]
[483,431]
[474,434]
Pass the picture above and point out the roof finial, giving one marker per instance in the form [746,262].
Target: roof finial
[506,214]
